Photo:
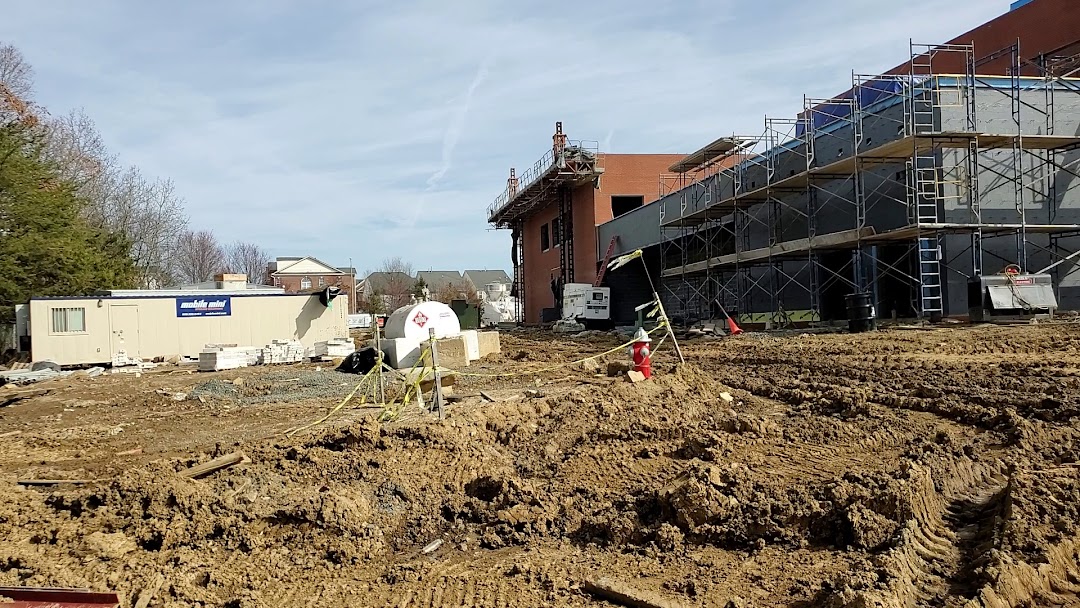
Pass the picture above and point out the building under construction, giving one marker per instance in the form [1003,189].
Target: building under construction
[958,164]
[553,209]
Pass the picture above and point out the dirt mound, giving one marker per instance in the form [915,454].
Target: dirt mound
[897,468]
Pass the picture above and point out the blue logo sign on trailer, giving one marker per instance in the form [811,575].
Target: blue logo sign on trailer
[195,306]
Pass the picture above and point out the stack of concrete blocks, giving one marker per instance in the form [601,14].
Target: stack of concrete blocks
[335,348]
[282,351]
[454,351]
[121,359]
[472,344]
[488,343]
[214,357]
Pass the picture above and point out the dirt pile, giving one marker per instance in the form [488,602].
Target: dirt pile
[881,470]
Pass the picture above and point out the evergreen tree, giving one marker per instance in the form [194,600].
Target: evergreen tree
[46,248]
[418,288]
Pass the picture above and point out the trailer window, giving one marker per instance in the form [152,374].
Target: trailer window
[68,320]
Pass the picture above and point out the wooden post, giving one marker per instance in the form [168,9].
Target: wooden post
[437,390]
[380,383]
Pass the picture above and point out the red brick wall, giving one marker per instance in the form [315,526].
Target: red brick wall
[539,264]
[291,284]
[624,174]
[1042,26]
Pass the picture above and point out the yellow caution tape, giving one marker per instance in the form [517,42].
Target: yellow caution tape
[337,408]
[662,325]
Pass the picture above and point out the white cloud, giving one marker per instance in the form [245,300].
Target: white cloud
[366,129]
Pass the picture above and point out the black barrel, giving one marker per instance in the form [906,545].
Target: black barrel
[860,313]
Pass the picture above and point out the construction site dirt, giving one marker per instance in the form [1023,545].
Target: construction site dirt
[904,467]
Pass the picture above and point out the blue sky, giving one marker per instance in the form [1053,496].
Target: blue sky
[365,130]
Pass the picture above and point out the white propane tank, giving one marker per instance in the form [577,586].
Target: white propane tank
[414,321]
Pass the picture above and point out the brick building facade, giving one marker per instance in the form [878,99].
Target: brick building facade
[307,274]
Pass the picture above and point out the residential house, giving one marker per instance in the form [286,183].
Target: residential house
[308,274]
[480,279]
[444,284]
[394,289]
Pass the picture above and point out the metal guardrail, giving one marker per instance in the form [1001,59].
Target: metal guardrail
[534,173]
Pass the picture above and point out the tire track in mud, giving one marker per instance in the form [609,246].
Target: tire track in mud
[455,592]
[976,518]
[948,537]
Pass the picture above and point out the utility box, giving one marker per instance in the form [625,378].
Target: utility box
[582,302]
[1010,296]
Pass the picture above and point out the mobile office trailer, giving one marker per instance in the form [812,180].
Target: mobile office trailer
[164,323]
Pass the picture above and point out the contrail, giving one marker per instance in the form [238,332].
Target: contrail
[453,133]
[457,124]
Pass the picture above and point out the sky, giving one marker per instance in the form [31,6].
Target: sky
[354,131]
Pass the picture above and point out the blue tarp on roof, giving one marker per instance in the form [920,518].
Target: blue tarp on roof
[870,92]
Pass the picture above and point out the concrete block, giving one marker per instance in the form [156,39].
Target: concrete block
[472,344]
[453,353]
[401,353]
[488,342]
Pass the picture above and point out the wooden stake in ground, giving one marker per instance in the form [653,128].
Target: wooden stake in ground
[216,464]
[620,593]
[437,390]
[147,594]
[380,397]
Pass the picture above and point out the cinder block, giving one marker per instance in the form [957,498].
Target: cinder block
[488,341]
[472,344]
[453,353]
[401,353]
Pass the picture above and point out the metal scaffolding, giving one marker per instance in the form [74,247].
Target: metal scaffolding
[892,164]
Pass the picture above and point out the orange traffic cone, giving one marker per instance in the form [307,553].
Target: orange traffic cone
[732,328]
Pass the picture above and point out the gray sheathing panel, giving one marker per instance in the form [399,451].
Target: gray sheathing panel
[637,229]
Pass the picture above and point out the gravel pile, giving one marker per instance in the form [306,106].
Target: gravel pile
[279,386]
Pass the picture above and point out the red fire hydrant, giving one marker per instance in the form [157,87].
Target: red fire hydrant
[639,350]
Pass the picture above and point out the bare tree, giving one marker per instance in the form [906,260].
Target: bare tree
[149,213]
[15,73]
[249,259]
[198,256]
[398,281]
[73,143]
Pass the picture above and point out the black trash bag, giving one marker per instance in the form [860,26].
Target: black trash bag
[361,361]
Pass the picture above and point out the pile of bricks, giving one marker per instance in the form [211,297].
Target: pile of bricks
[216,357]
[337,347]
[282,351]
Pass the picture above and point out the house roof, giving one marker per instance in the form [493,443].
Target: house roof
[480,278]
[439,279]
[381,280]
[306,265]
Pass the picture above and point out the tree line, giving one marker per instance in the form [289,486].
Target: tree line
[74,218]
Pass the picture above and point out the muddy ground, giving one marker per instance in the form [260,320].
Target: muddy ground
[931,467]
